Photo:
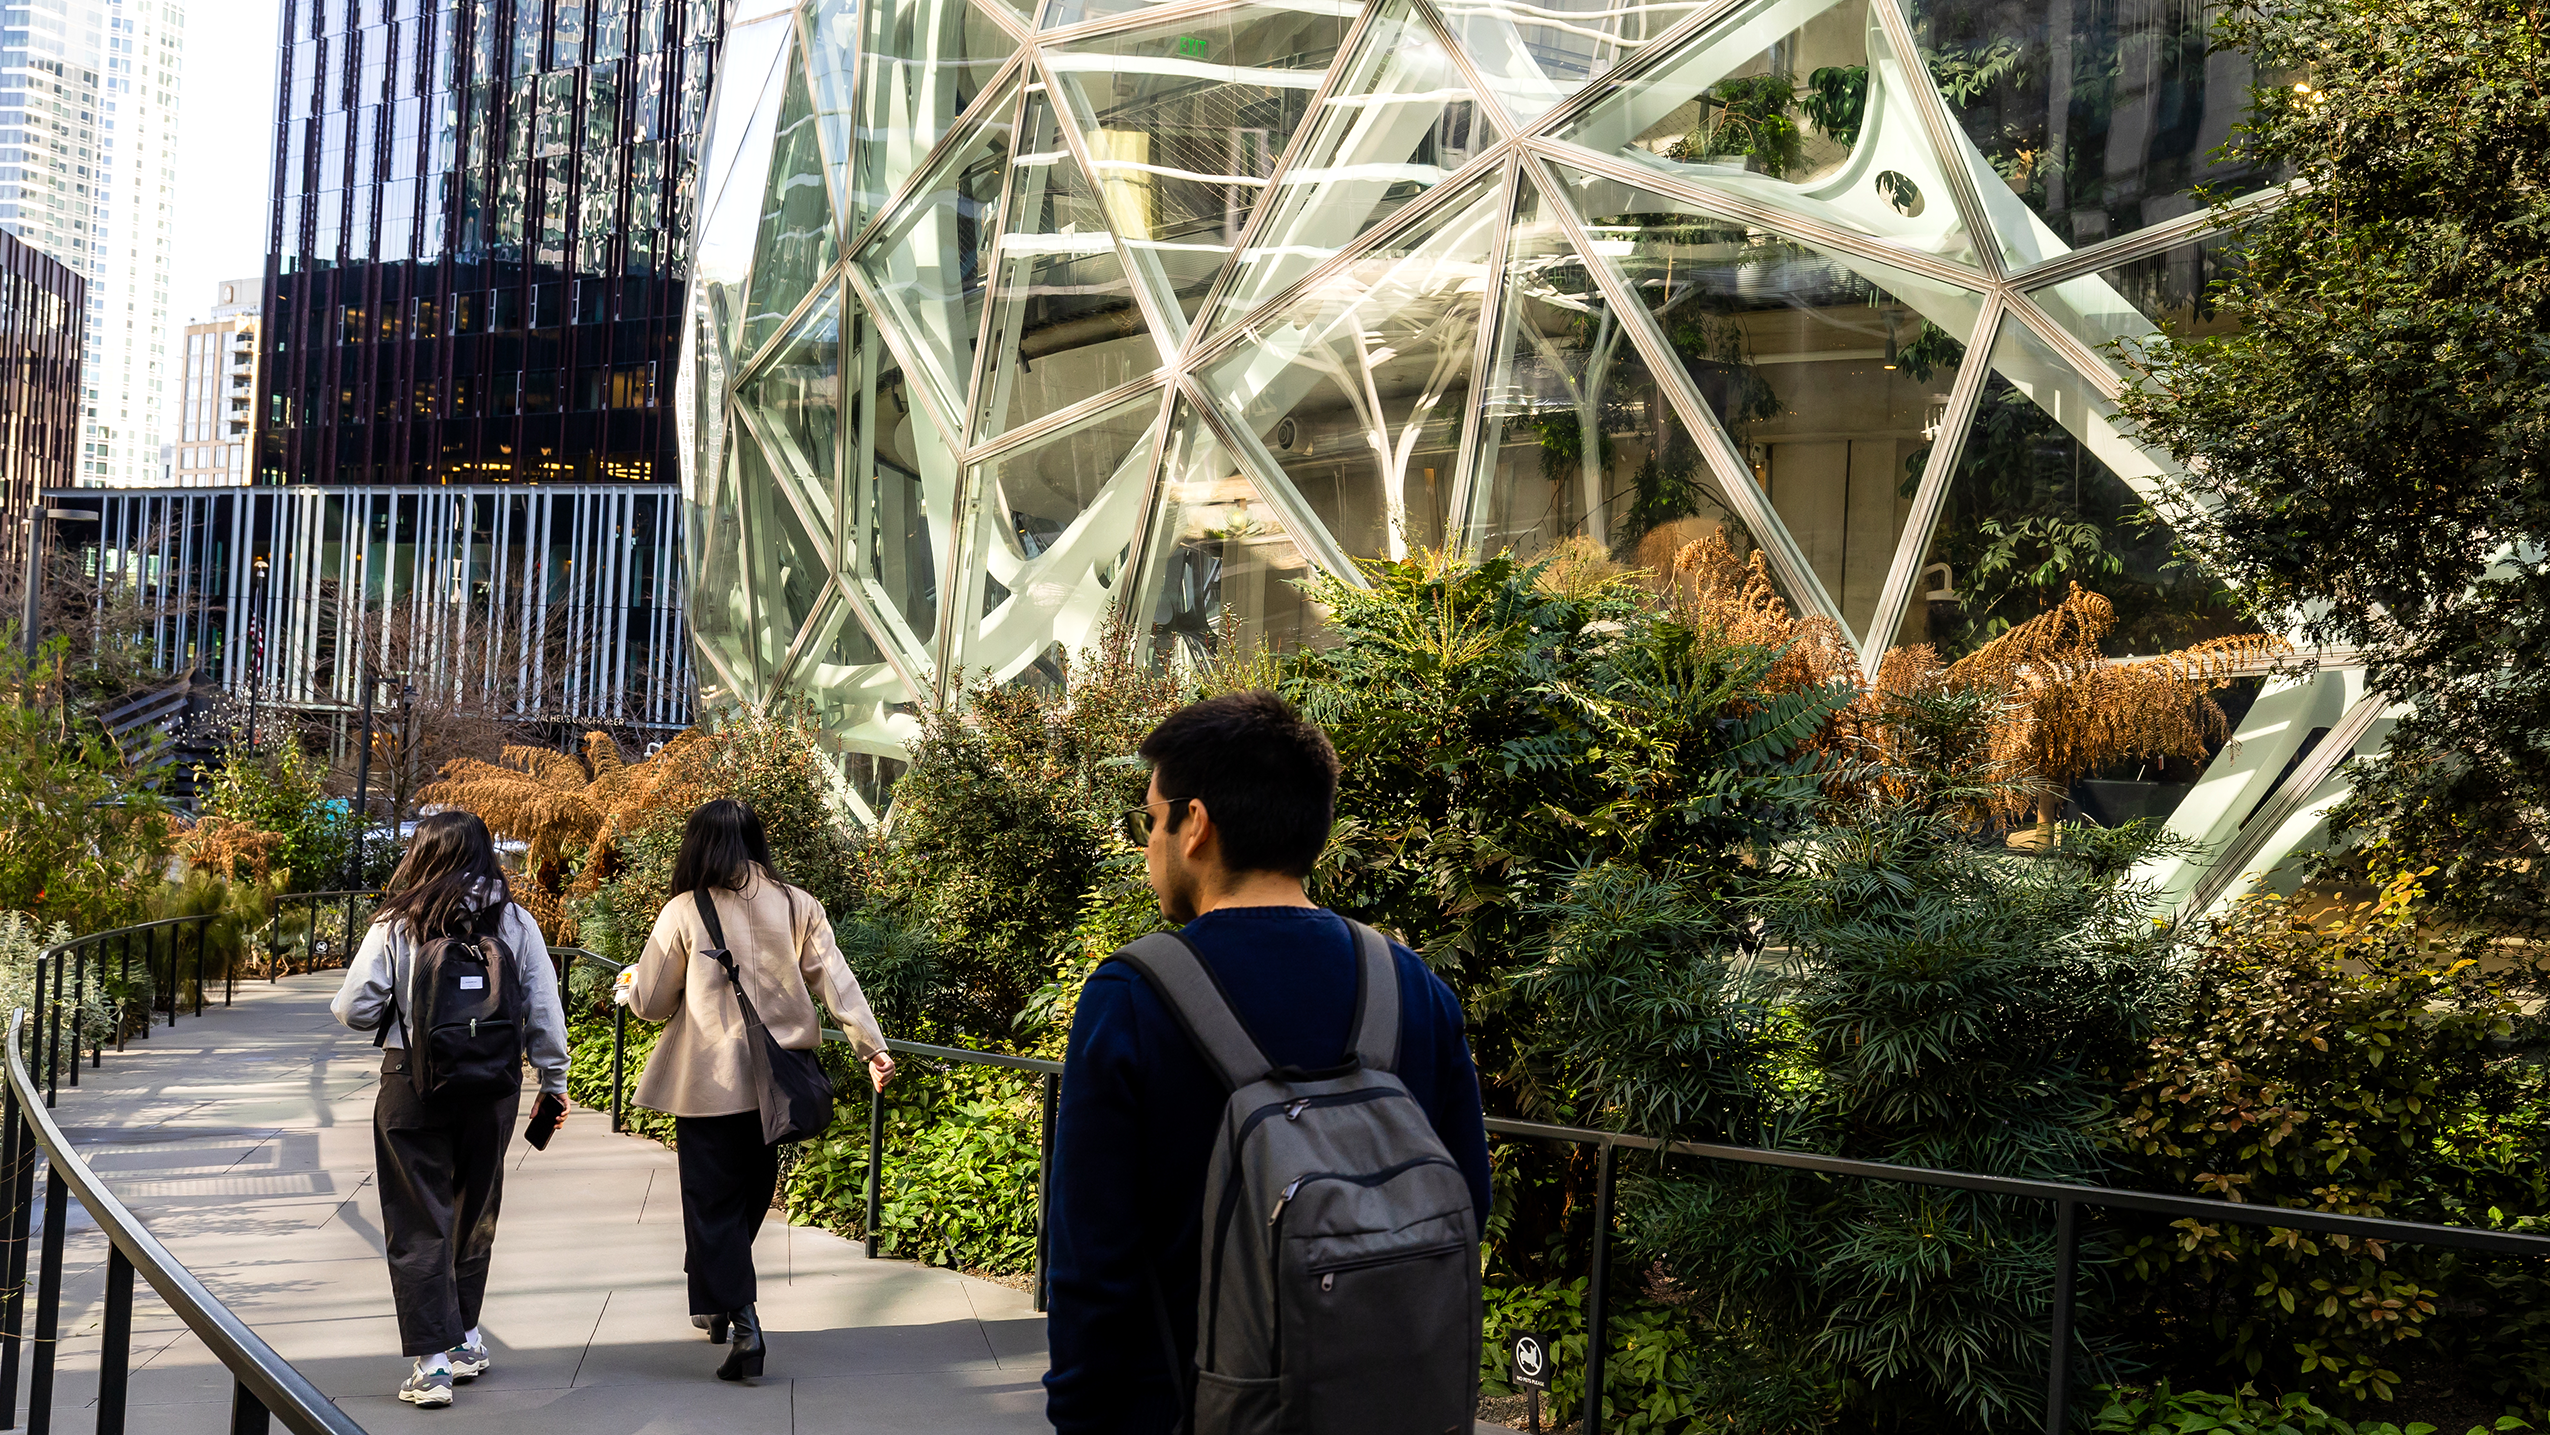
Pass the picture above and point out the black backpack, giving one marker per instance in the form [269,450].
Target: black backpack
[464,1040]
[1341,1256]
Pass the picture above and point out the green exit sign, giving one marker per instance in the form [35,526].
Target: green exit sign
[1194,47]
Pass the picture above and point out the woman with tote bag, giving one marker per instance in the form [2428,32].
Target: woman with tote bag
[727,970]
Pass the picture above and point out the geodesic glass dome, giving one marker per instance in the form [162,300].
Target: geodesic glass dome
[1011,317]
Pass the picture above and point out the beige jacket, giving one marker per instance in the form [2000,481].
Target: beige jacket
[697,1068]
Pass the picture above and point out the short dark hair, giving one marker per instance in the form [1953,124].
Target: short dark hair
[1266,774]
[721,846]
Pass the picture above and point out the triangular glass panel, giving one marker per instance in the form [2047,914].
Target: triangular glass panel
[1356,386]
[863,712]
[922,65]
[2049,492]
[1184,122]
[796,245]
[1535,53]
[721,607]
[786,569]
[902,493]
[1221,579]
[2083,123]
[832,64]
[1795,103]
[1065,326]
[700,398]
[1050,527]
[1829,372]
[1400,121]
[741,112]
[794,402]
[929,265]
[1578,439]
[2119,311]
[731,196]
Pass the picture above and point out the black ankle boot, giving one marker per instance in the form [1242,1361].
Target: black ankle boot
[744,1347]
[716,1327]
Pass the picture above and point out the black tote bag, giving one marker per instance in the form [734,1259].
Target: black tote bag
[796,1097]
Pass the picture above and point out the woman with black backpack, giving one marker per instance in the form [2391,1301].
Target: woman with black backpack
[727,970]
[455,979]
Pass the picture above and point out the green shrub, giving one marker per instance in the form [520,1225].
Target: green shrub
[2349,1065]
[1000,827]
[1665,1370]
[2163,1411]
[959,1183]
[281,789]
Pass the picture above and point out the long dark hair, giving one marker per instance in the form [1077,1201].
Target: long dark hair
[722,844]
[450,870]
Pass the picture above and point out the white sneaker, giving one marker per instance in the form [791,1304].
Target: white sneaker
[426,1387]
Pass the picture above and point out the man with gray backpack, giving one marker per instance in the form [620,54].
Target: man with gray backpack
[1270,1165]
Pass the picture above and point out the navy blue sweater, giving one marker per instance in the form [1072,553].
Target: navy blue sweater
[1139,1111]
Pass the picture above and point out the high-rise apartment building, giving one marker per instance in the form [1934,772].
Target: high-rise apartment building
[40,303]
[478,235]
[88,154]
[217,390]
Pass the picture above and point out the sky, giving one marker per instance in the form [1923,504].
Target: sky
[225,158]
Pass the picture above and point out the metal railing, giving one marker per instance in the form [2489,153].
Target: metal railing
[263,1385]
[2067,1198]
[279,936]
[1049,1090]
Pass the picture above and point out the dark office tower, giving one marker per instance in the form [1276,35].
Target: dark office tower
[480,230]
[42,302]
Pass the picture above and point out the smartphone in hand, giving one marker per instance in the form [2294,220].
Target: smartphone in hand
[546,1113]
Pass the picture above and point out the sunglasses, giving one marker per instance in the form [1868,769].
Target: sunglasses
[1138,821]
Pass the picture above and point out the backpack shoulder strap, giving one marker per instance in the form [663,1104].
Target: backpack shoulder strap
[1195,998]
[1376,999]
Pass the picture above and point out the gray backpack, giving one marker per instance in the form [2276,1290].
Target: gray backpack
[1341,1256]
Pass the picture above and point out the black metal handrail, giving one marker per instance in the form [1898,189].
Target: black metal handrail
[263,1384]
[2068,1198]
[276,942]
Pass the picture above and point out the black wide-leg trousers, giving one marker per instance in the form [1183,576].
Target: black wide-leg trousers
[728,1177]
[442,1174]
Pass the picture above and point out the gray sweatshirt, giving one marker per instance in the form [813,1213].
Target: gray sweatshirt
[388,954]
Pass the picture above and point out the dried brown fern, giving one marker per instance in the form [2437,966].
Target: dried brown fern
[1713,589]
[234,851]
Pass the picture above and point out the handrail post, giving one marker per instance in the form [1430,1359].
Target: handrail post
[1597,1291]
[876,1166]
[349,926]
[114,1366]
[48,1301]
[2058,1365]
[53,1037]
[230,970]
[1044,1182]
[247,1413]
[619,1049]
[20,1148]
[124,988]
[172,978]
[79,1009]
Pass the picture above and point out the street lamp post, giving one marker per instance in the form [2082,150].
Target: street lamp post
[363,781]
[256,644]
[37,532]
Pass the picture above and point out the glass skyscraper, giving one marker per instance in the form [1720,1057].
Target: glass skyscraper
[88,154]
[479,226]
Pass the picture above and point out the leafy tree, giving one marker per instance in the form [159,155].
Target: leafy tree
[82,837]
[1000,829]
[2367,449]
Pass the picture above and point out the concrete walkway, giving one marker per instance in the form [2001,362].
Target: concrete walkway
[244,1139]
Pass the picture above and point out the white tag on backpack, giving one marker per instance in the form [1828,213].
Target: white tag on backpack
[473,984]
